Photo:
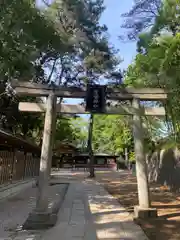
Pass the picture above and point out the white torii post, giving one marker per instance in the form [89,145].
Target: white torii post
[46,154]
[143,210]
[141,171]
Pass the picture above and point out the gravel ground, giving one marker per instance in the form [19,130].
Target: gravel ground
[14,210]
[123,186]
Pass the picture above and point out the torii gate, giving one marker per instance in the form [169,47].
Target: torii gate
[135,95]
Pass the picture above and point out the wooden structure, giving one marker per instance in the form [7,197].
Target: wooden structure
[70,157]
[101,160]
[63,155]
[79,109]
[136,110]
[19,158]
[65,148]
[34,89]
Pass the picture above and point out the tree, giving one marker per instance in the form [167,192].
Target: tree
[157,62]
[22,44]
[92,57]
[80,130]
[26,35]
[159,67]
[71,130]
[111,134]
[167,18]
[59,43]
[151,17]
[141,17]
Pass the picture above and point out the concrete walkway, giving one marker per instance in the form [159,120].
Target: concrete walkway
[87,213]
[90,213]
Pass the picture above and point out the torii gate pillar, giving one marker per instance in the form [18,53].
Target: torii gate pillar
[40,217]
[143,210]
[46,154]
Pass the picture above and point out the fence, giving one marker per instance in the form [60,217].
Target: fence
[17,165]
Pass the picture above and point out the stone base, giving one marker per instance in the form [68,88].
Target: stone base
[37,221]
[144,213]
[43,220]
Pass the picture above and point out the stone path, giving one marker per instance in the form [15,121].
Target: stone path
[90,213]
[87,213]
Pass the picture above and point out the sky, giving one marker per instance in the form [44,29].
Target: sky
[112,18]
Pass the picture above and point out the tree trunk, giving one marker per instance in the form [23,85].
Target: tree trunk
[90,150]
[141,167]
[46,153]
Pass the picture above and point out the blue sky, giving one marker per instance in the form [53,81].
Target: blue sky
[112,18]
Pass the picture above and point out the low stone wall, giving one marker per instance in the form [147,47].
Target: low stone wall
[164,168]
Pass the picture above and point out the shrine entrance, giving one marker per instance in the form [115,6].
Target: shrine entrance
[95,96]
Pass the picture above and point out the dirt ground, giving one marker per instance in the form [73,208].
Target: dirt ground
[123,186]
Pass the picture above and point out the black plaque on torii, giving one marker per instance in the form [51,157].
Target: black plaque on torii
[96,98]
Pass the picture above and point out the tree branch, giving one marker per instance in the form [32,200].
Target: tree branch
[52,70]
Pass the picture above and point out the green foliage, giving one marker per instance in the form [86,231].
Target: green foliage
[167,18]
[160,68]
[111,134]
[64,43]
[80,130]
[132,156]
[64,130]
[158,62]
[72,130]
[25,34]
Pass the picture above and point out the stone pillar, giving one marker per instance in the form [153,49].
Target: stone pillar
[41,218]
[143,210]
[46,154]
